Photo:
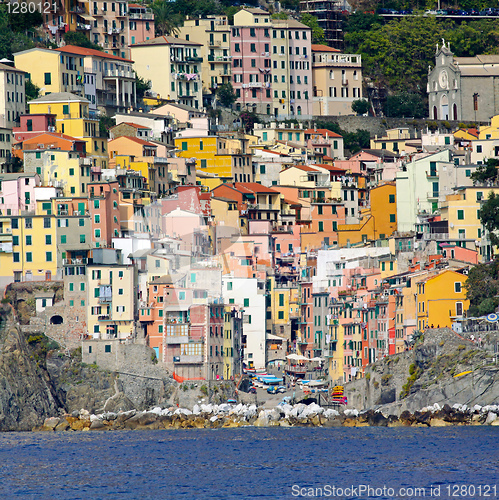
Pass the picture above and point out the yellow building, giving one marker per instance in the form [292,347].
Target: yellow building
[179,79]
[441,299]
[213,33]
[490,132]
[224,157]
[462,210]
[52,71]
[396,140]
[74,118]
[335,357]
[379,221]
[64,169]
[110,301]
[34,249]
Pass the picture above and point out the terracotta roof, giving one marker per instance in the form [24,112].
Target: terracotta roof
[306,168]
[253,187]
[73,49]
[322,131]
[137,140]
[273,152]
[330,167]
[34,138]
[323,48]
[136,6]
[165,40]
[133,125]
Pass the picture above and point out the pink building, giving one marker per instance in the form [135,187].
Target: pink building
[17,192]
[33,124]
[141,23]
[104,212]
[250,48]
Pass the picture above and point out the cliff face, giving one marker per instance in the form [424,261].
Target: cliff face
[433,372]
[38,380]
[26,392]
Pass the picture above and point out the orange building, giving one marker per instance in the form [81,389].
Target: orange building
[378,221]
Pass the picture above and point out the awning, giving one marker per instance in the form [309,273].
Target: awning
[273,337]
[87,17]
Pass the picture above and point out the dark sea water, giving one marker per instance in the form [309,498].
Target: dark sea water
[276,463]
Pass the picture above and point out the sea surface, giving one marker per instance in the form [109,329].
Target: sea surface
[247,463]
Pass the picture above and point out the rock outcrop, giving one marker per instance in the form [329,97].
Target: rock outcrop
[299,415]
[444,368]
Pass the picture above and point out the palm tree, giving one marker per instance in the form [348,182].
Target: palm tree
[166,20]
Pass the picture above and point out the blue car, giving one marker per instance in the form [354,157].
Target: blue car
[276,389]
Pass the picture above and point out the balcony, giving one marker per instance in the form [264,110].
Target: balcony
[296,370]
[104,317]
[189,359]
[83,27]
[74,262]
[176,339]
[145,16]
[432,173]
[436,236]
[115,73]
[194,59]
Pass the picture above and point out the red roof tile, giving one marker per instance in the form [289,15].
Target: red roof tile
[253,187]
[73,49]
[323,48]
[322,131]
[137,140]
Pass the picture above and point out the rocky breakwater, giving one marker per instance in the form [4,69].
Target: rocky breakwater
[298,415]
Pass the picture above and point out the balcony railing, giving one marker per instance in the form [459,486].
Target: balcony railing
[176,339]
[189,359]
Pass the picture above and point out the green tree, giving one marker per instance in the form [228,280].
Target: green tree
[105,123]
[360,106]
[317,31]
[167,19]
[489,215]
[405,104]
[248,120]
[226,95]
[32,91]
[141,86]
[482,288]
[485,173]
[279,15]
[80,40]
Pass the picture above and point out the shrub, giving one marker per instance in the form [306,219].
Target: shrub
[412,369]
[461,347]
[204,390]
[385,379]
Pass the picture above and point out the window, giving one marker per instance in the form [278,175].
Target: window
[107,348]
[392,217]
[229,285]
[280,315]
[97,233]
[391,198]
[184,146]
[48,239]
[281,300]
[65,109]
[48,256]
[29,240]
[457,287]
[15,223]
[82,238]
[120,291]
[479,148]
[29,257]
[460,215]
[246,302]
[16,257]
[82,287]
[321,226]
[48,79]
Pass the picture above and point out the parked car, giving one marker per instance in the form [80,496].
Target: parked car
[252,390]
[276,389]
